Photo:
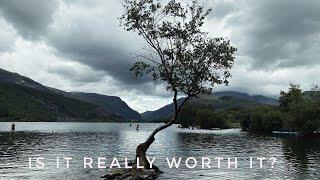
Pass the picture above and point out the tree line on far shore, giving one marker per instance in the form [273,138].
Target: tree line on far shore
[298,112]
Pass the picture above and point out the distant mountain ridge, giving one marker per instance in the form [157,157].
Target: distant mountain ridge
[112,103]
[15,78]
[22,103]
[55,104]
[257,98]
[218,101]
[163,112]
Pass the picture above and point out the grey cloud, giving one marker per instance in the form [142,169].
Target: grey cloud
[100,56]
[29,17]
[7,36]
[221,8]
[95,39]
[271,33]
[78,74]
[278,33]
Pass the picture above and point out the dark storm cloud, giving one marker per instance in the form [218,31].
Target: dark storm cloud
[29,17]
[106,56]
[278,33]
[273,33]
[95,39]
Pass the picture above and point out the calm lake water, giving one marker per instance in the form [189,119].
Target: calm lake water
[297,158]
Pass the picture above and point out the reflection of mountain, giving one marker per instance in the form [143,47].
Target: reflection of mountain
[22,99]
[218,101]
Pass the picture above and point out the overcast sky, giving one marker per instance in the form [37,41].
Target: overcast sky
[77,45]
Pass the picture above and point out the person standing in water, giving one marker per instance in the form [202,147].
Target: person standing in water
[137,128]
[13,127]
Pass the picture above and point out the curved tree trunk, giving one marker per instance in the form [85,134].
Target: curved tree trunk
[143,147]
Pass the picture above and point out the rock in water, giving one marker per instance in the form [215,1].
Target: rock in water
[132,174]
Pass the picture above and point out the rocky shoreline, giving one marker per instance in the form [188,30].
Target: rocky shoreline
[133,174]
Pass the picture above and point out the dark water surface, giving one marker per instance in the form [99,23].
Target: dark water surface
[297,158]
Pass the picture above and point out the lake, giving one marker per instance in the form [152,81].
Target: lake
[296,157]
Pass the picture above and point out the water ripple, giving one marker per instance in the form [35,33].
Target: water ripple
[297,158]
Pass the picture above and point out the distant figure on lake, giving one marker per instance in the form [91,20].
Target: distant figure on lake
[13,127]
[130,124]
[137,128]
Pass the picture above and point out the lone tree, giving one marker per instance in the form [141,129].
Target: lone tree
[179,53]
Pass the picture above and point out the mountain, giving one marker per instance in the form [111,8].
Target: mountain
[230,102]
[161,113]
[23,99]
[218,101]
[22,103]
[256,98]
[14,78]
[112,103]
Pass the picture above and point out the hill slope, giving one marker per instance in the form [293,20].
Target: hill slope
[256,98]
[57,104]
[14,78]
[163,112]
[20,103]
[112,103]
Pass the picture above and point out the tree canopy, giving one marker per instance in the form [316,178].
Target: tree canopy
[178,52]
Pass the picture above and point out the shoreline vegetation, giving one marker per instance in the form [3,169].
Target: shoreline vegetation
[297,113]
